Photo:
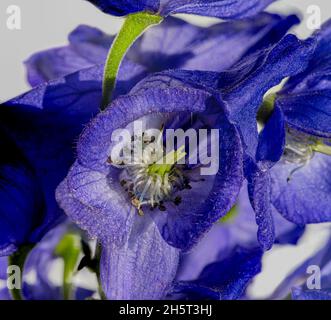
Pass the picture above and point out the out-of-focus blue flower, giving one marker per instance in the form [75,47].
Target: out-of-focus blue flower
[236,230]
[4,292]
[39,270]
[225,279]
[39,282]
[42,127]
[223,264]
[171,45]
[302,282]
[234,9]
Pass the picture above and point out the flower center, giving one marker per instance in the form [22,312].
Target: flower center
[300,148]
[151,178]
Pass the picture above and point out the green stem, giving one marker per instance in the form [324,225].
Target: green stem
[134,26]
[18,259]
[69,249]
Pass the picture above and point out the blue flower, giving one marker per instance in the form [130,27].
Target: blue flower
[286,169]
[38,281]
[214,8]
[309,281]
[225,261]
[4,292]
[243,87]
[225,279]
[107,201]
[304,171]
[44,123]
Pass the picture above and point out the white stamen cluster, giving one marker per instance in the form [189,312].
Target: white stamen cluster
[148,187]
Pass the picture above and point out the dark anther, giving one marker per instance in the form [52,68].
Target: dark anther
[162,207]
[177,201]
[123,183]
[109,160]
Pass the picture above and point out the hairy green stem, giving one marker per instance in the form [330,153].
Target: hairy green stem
[134,26]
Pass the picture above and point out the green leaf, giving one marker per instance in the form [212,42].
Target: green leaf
[69,249]
[134,26]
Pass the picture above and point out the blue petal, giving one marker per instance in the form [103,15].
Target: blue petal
[259,194]
[298,277]
[21,206]
[88,47]
[172,44]
[224,9]
[306,196]
[125,7]
[271,140]
[143,268]
[44,123]
[226,279]
[306,98]
[4,292]
[38,263]
[300,294]
[177,44]
[245,84]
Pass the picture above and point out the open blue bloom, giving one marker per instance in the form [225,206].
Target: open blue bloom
[107,200]
[225,9]
[175,44]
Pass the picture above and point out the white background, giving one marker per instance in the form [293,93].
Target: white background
[46,24]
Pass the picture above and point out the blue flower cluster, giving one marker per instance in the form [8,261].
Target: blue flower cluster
[151,231]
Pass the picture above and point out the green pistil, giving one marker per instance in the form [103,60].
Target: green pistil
[230,216]
[166,164]
[322,148]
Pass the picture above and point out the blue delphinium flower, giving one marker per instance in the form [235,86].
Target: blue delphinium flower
[97,197]
[108,202]
[215,8]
